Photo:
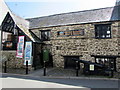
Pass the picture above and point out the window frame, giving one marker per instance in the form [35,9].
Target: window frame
[111,60]
[102,31]
[67,33]
[10,44]
[48,35]
[69,63]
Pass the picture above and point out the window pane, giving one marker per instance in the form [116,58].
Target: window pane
[45,35]
[108,62]
[71,33]
[103,31]
[108,32]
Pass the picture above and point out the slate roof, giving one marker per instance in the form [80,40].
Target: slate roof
[88,16]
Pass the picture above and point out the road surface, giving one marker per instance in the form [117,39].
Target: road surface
[39,82]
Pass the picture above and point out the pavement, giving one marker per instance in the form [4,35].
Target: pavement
[57,77]
[57,73]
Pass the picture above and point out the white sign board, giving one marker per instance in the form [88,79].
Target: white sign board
[91,67]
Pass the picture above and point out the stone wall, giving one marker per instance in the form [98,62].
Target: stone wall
[85,45]
[118,60]
[12,61]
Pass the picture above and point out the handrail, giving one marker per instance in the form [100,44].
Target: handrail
[88,62]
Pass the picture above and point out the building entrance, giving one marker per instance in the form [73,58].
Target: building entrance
[47,56]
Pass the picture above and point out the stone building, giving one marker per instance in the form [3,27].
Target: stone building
[91,35]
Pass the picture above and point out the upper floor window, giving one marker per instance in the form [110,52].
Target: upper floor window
[45,35]
[103,31]
[61,33]
[70,33]
[9,41]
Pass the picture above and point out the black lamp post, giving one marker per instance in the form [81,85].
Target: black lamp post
[26,67]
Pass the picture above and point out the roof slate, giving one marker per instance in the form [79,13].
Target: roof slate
[87,16]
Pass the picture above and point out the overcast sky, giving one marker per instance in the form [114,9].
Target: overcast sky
[38,8]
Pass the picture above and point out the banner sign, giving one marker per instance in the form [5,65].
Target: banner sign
[20,47]
[28,53]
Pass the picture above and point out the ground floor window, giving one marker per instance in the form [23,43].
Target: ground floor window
[109,62]
[69,63]
[9,41]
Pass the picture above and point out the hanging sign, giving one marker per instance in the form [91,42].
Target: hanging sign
[28,53]
[20,47]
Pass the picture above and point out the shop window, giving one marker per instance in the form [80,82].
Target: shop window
[108,62]
[103,31]
[45,35]
[9,42]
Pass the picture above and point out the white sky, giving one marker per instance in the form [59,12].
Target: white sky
[109,1]
[50,7]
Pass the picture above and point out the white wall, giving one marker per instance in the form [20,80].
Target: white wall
[3,10]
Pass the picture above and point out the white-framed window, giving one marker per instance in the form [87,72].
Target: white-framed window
[109,62]
[103,31]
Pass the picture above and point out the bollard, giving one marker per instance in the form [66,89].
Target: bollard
[44,69]
[112,73]
[5,68]
[76,68]
[26,67]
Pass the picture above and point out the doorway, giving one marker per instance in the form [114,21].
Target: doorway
[47,56]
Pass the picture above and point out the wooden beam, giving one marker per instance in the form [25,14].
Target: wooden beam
[11,29]
[5,23]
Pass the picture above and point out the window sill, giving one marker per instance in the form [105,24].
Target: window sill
[8,50]
[103,38]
